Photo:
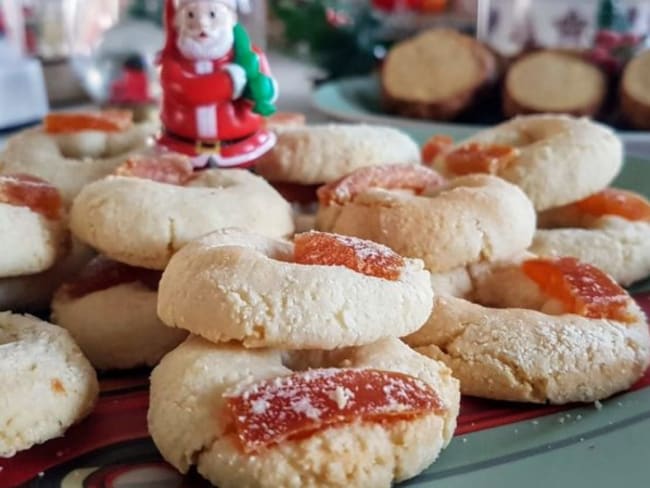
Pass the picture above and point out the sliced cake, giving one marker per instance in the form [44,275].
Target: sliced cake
[553,82]
[436,74]
[635,91]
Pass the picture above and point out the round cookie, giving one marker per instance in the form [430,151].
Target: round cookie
[535,347]
[32,228]
[109,308]
[199,378]
[70,160]
[610,230]
[33,293]
[554,159]
[317,154]
[159,218]
[237,286]
[46,384]
[472,218]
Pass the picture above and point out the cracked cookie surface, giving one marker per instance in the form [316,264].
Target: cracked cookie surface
[528,349]
[143,223]
[473,218]
[187,392]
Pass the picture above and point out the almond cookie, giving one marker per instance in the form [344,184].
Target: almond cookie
[555,159]
[317,154]
[323,292]
[109,308]
[71,156]
[610,230]
[46,384]
[33,293]
[142,222]
[563,332]
[368,416]
[32,228]
[473,218]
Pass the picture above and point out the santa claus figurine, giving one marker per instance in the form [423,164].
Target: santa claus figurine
[216,87]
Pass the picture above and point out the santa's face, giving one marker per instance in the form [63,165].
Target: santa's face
[205,29]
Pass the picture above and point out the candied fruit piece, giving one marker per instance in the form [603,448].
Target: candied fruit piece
[302,404]
[105,121]
[613,201]
[102,273]
[174,169]
[28,191]
[435,146]
[366,257]
[418,179]
[480,158]
[582,289]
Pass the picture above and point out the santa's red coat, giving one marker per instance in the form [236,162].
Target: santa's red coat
[197,96]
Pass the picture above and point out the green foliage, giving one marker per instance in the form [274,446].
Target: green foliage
[612,15]
[342,49]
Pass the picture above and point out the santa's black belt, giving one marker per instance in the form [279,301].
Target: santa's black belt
[203,144]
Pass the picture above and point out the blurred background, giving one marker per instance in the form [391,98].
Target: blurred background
[104,51]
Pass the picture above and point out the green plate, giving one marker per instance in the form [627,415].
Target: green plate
[497,444]
[358,99]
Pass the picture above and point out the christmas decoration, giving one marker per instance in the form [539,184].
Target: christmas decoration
[614,43]
[342,37]
[216,86]
[612,16]
[120,68]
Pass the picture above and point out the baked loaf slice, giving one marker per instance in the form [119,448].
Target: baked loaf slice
[553,82]
[635,91]
[436,74]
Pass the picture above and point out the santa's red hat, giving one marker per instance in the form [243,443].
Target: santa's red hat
[241,5]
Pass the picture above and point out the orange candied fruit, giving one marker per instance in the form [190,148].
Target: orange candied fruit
[480,158]
[435,146]
[34,193]
[174,169]
[582,289]
[104,121]
[612,201]
[366,257]
[299,405]
[418,179]
[102,273]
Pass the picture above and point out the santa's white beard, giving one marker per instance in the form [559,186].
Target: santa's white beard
[206,48]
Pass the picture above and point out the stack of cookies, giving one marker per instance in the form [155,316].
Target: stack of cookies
[41,171]
[293,374]
[137,218]
[513,325]
[48,383]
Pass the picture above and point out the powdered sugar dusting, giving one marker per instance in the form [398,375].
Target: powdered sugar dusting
[341,396]
[298,405]
[367,257]
[583,289]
